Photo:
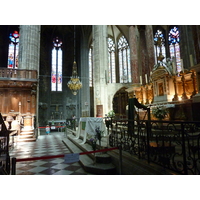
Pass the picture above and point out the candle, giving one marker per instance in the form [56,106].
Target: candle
[182,65]
[141,80]
[173,68]
[146,79]
[191,60]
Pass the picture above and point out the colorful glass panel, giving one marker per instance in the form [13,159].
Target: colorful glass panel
[56,68]
[13,50]
[111,59]
[174,47]
[59,74]
[124,60]
[159,44]
[90,68]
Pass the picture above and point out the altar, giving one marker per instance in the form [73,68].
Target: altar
[87,125]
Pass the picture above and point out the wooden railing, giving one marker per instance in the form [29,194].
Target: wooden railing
[18,73]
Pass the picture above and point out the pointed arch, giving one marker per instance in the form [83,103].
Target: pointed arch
[120,102]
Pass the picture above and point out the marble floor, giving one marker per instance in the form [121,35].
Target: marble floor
[45,145]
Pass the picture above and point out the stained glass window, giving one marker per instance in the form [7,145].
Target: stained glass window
[90,67]
[159,45]
[56,70]
[124,60]
[13,50]
[111,61]
[174,47]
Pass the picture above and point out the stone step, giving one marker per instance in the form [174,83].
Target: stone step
[103,158]
[33,139]
[27,133]
[89,161]
[25,136]
[132,165]
[101,169]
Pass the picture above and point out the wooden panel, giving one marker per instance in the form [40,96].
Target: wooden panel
[99,111]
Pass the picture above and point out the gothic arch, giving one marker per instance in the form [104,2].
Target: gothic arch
[120,102]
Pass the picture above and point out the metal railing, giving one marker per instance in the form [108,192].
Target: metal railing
[172,144]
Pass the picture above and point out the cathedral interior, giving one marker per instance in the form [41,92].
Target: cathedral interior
[53,74]
[159,65]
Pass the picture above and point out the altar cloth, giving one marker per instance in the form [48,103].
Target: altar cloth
[87,125]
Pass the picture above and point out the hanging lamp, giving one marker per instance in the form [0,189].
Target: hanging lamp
[74,83]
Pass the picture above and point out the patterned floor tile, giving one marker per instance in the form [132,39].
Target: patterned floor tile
[72,168]
[45,145]
[77,173]
[26,173]
[63,172]
[49,171]
[49,165]
[60,166]
[38,162]
[37,169]
[26,168]
[57,160]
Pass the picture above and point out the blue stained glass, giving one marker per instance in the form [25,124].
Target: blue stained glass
[174,46]
[13,50]
[159,45]
[174,36]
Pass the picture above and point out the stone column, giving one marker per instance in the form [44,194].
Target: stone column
[29,47]
[133,54]
[196,37]
[100,56]
[186,46]
[143,55]
[29,55]
[85,90]
[150,46]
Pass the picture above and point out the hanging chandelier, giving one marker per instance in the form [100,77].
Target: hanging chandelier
[74,83]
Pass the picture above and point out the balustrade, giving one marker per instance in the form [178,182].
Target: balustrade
[172,144]
[18,73]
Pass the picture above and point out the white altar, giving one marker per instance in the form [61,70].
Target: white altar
[87,125]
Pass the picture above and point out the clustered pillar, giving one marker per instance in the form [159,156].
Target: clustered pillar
[133,54]
[29,40]
[100,63]
[29,57]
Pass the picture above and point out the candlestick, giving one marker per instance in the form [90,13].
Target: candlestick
[191,60]
[141,80]
[182,68]
[146,79]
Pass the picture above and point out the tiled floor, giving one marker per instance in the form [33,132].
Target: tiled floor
[45,145]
